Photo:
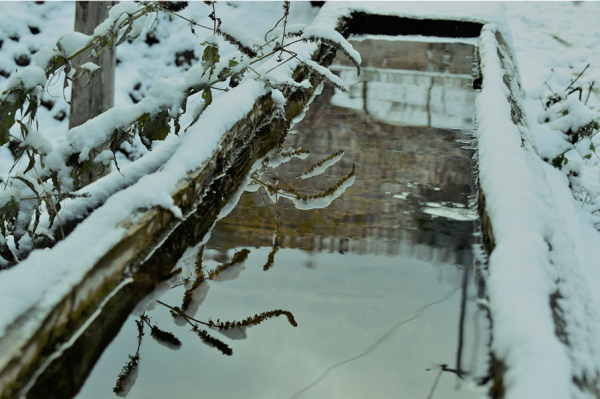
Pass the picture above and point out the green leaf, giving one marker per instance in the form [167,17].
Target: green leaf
[8,111]
[235,79]
[87,167]
[207,96]
[232,63]
[154,127]
[31,162]
[210,57]
[28,183]
[11,207]
[127,31]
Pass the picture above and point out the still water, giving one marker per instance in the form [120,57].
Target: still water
[373,281]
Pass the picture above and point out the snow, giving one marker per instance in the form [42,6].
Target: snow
[454,211]
[327,33]
[56,271]
[92,134]
[325,72]
[30,77]
[240,35]
[236,333]
[7,194]
[482,12]
[231,273]
[516,202]
[90,66]
[539,245]
[321,168]
[72,42]
[289,29]
[35,140]
[528,201]
[323,202]
[571,114]
[43,57]
[418,38]
[117,14]
[279,98]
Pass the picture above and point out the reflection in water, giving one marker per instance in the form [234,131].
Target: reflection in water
[393,235]
[399,171]
[399,88]
[129,374]
[234,330]
[371,348]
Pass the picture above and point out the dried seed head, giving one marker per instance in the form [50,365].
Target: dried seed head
[174,6]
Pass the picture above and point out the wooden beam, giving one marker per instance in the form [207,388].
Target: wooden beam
[99,95]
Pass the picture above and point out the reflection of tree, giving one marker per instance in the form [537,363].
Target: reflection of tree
[230,329]
[374,345]
[128,375]
[277,187]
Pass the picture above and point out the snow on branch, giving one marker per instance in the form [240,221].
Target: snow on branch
[60,169]
[294,30]
[326,75]
[333,38]
[239,38]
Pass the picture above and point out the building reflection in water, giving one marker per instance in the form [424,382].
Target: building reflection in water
[401,168]
[433,90]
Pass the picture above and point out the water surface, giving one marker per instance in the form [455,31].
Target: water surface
[373,280]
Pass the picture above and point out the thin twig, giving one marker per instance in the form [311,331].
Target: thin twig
[267,41]
[577,78]
[437,379]
[589,92]
[391,331]
[181,313]
[546,83]
[277,66]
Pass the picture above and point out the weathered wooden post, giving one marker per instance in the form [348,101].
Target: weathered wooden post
[98,96]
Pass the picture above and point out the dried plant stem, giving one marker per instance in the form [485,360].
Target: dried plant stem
[182,314]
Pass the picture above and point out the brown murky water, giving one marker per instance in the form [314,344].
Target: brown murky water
[373,280]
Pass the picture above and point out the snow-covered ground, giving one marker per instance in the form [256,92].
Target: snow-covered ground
[167,50]
[553,44]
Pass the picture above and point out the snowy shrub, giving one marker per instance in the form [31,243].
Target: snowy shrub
[569,114]
[48,175]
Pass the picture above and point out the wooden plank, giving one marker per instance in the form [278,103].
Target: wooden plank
[99,95]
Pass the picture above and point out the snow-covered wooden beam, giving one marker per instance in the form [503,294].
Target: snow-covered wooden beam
[544,308]
[544,323]
[139,225]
